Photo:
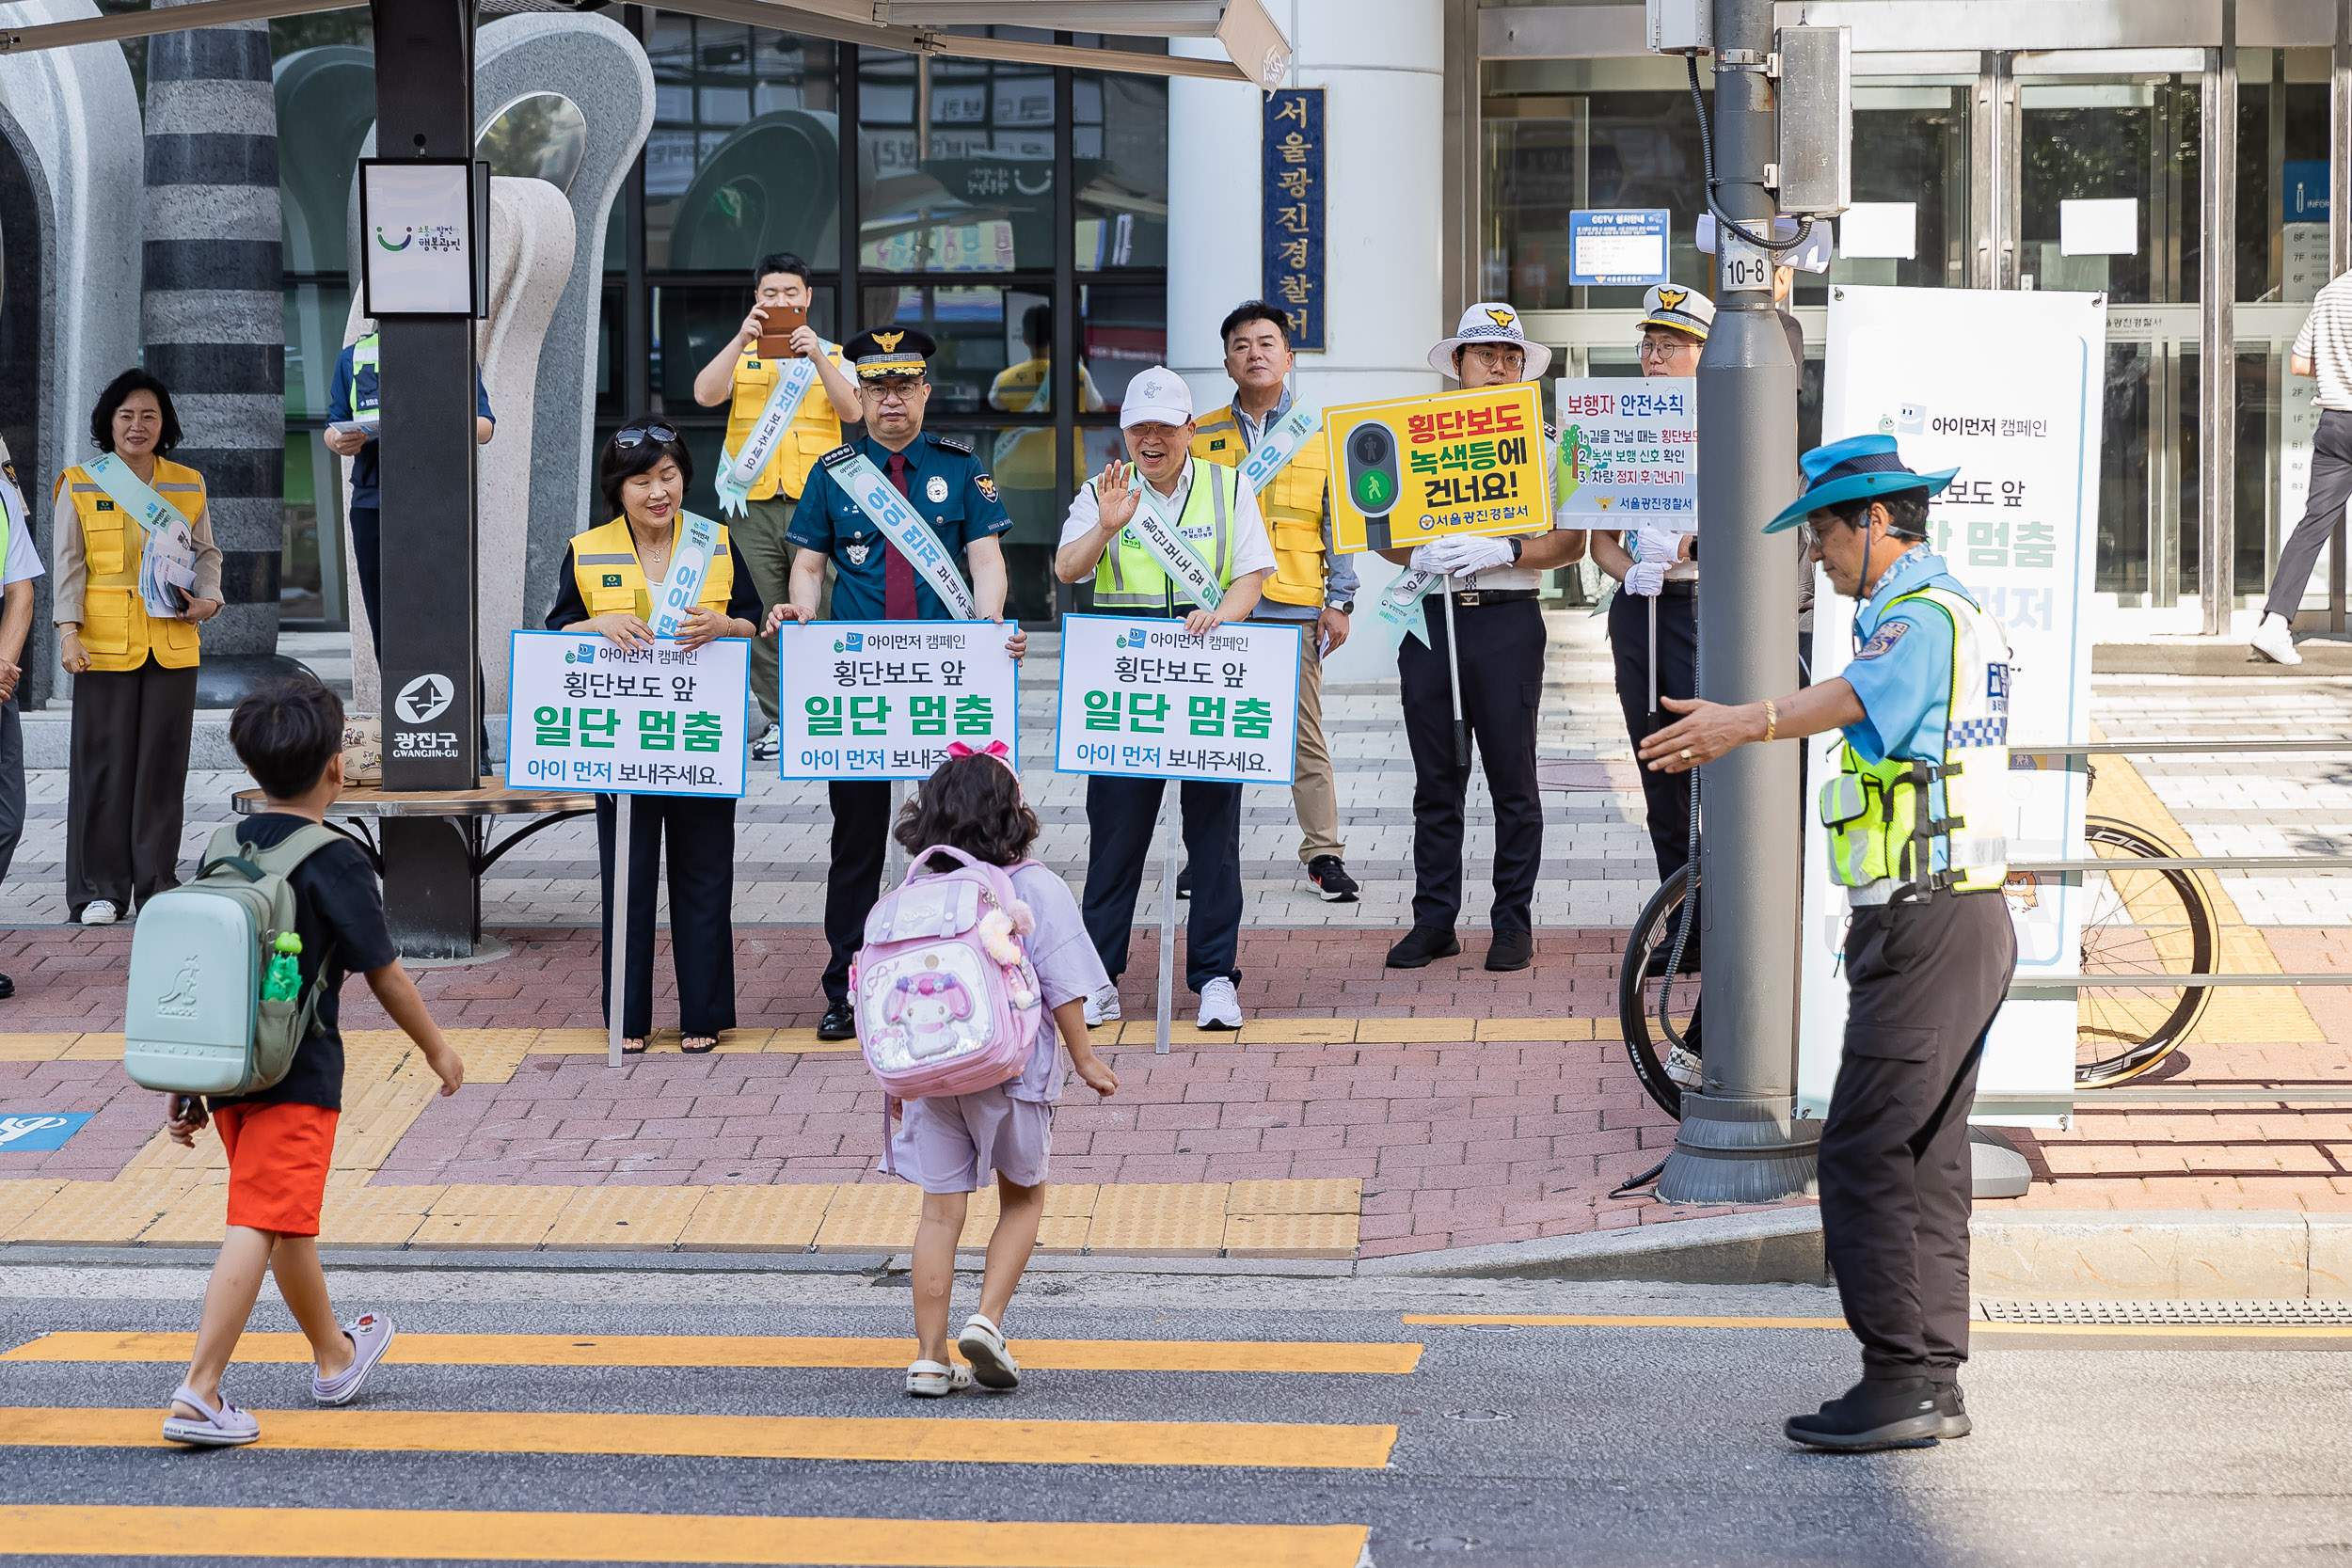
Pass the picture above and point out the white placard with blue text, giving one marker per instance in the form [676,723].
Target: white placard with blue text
[582,712]
[885,699]
[2017,528]
[1619,247]
[1140,699]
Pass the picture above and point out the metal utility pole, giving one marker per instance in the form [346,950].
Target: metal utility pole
[1738,1142]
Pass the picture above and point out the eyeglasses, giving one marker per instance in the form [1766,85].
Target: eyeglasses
[638,435]
[883,391]
[1661,348]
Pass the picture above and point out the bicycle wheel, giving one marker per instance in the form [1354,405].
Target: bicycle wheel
[1642,984]
[2138,922]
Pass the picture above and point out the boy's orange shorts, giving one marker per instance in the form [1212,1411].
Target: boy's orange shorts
[279,1156]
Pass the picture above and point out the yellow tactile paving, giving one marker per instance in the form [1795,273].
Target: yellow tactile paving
[864,1217]
[182,1532]
[624,1219]
[1159,1219]
[1298,1031]
[93,1047]
[356,1215]
[1412,1031]
[195,1218]
[1534,1029]
[515,1232]
[1290,1235]
[35,1048]
[102,1213]
[1338,1195]
[755,1219]
[21,1197]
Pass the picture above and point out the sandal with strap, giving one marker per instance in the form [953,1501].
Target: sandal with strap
[633,1047]
[223,1428]
[936,1380]
[710,1043]
[983,1345]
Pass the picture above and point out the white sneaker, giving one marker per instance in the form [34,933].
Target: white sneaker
[99,911]
[1683,1066]
[1219,1007]
[1102,1006]
[767,745]
[2275,640]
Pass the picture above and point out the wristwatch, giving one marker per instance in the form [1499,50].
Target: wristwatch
[1345,607]
[1518,547]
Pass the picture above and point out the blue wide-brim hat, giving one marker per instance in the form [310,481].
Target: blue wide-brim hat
[1858,465]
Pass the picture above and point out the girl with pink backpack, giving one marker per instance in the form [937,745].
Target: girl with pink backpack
[952,988]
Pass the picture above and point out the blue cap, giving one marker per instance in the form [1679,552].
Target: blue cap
[1858,465]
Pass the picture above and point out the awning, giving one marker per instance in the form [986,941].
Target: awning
[1255,49]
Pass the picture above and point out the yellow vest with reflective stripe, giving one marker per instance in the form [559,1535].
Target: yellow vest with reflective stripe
[117,632]
[1291,505]
[605,565]
[815,431]
[1130,577]
[1880,815]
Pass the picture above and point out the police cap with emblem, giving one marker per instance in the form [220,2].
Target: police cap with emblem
[1491,321]
[1683,309]
[890,351]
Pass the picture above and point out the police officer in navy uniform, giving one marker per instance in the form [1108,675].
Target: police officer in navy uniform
[875,581]
[1495,583]
[1917,818]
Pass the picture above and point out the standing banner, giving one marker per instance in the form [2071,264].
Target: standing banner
[1630,451]
[2017,527]
[1142,699]
[882,699]
[1413,469]
[586,713]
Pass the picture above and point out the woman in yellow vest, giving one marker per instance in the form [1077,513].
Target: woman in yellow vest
[133,670]
[604,588]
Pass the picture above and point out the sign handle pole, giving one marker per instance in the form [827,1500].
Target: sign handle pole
[1453,666]
[1169,797]
[616,960]
[1653,655]
[895,857]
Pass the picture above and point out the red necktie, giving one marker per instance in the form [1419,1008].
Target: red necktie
[897,571]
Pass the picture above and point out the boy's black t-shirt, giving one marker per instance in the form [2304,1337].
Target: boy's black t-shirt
[339,901]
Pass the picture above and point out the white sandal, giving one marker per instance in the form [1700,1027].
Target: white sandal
[983,1345]
[936,1380]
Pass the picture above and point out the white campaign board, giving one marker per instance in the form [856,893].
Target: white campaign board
[1940,371]
[586,713]
[884,699]
[1140,699]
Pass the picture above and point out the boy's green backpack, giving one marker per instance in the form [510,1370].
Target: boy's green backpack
[195,1022]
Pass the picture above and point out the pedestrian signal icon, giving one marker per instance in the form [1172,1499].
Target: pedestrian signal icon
[1372,481]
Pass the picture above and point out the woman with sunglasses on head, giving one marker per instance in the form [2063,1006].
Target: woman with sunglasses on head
[606,587]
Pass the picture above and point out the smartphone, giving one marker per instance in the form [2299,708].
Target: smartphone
[190,1108]
[775,333]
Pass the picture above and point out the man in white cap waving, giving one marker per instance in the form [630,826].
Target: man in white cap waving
[1494,584]
[1110,537]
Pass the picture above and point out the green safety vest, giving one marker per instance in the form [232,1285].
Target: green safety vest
[1130,577]
[363,356]
[1881,816]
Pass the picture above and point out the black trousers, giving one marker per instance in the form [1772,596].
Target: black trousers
[701,836]
[1121,815]
[1502,682]
[1924,980]
[130,771]
[1667,795]
[861,847]
[2331,482]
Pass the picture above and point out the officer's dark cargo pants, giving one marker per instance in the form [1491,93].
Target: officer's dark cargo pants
[1924,980]
[1502,681]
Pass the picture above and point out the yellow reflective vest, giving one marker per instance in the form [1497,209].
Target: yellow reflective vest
[117,632]
[815,431]
[1130,575]
[605,565]
[1291,505]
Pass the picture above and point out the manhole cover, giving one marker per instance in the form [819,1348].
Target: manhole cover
[2169,1314]
[1479,1416]
[1447,1544]
[1489,1329]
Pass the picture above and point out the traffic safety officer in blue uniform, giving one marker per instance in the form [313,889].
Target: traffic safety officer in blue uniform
[1918,815]
[875,580]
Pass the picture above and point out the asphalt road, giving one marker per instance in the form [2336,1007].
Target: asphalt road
[1534,1445]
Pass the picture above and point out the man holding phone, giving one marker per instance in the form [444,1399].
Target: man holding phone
[771,447]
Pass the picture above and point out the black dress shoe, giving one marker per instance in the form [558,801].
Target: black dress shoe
[1511,950]
[839,1022]
[1876,1413]
[1184,882]
[1421,944]
[8,987]
[1952,1405]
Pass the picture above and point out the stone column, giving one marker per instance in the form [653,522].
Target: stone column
[1381,64]
[212,312]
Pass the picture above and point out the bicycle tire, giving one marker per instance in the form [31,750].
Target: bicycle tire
[2157,1037]
[1637,1017]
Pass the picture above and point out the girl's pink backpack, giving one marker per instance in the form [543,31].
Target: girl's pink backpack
[946,1001]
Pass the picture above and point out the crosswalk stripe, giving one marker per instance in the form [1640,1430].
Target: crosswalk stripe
[2160,1331]
[439,1533]
[662,1349]
[893,1438]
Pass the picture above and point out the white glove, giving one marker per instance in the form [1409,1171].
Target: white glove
[1656,545]
[1461,556]
[1648,578]
[1425,558]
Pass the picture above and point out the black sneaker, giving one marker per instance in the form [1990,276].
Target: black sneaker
[1952,1405]
[1421,944]
[1329,874]
[1184,882]
[8,987]
[1876,1413]
[1511,950]
[839,1022]
[769,744]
